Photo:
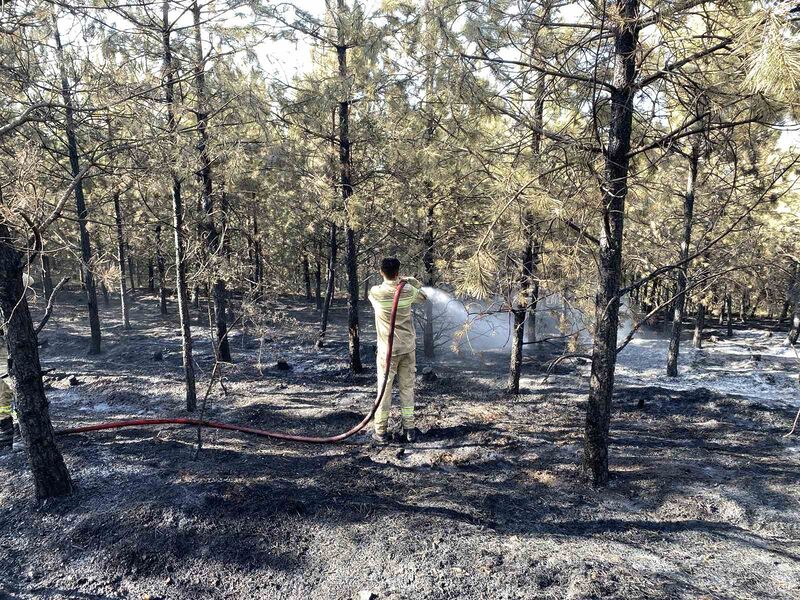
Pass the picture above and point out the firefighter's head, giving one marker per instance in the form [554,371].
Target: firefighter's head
[390,267]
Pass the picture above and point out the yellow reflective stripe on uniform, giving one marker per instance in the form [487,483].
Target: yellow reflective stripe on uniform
[5,410]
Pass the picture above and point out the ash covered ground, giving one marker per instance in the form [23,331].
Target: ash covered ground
[490,504]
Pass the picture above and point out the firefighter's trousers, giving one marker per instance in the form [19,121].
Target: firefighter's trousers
[403,370]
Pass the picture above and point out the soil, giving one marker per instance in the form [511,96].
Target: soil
[489,504]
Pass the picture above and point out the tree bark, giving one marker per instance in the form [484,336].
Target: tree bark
[346,182]
[729,314]
[318,277]
[794,296]
[533,304]
[50,475]
[789,293]
[161,265]
[131,268]
[210,233]
[87,277]
[520,310]
[182,291]
[680,298]
[123,290]
[307,277]
[794,332]
[151,275]
[326,306]
[699,323]
[258,269]
[47,276]
[615,189]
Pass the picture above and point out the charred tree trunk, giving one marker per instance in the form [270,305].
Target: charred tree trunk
[123,291]
[182,291]
[680,292]
[794,332]
[131,268]
[103,287]
[530,325]
[318,278]
[47,276]
[346,182]
[520,311]
[729,314]
[211,236]
[151,275]
[50,476]
[615,189]
[161,265]
[744,302]
[794,296]
[699,323]
[307,277]
[326,306]
[521,307]
[87,277]
[789,293]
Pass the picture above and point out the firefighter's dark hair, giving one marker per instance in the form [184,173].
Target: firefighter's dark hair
[390,267]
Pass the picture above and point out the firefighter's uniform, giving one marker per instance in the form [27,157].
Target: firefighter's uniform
[6,423]
[404,360]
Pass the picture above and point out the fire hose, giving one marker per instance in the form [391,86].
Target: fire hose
[263,432]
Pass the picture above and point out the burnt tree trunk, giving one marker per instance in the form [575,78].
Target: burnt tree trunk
[729,314]
[318,277]
[87,277]
[123,290]
[346,182]
[182,291]
[699,323]
[520,310]
[680,293]
[326,306]
[789,293]
[794,296]
[161,265]
[103,286]
[47,276]
[615,189]
[533,304]
[307,277]
[151,275]
[210,233]
[50,476]
[131,268]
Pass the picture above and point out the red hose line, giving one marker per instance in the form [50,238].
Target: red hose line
[263,432]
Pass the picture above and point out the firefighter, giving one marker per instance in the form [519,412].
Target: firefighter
[404,360]
[6,422]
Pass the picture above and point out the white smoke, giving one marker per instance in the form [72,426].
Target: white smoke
[468,326]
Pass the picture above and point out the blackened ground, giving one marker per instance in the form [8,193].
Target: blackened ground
[703,504]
